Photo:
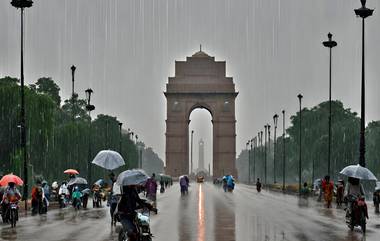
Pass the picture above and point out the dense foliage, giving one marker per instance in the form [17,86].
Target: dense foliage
[57,136]
[314,144]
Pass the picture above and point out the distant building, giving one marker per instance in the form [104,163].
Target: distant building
[201,158]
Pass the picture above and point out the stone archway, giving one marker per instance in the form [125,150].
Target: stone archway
[200,82]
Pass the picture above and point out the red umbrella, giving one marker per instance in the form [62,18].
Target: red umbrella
[71,171]
[11,178]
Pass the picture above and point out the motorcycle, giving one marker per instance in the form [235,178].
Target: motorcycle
[13,214]
[356,214]
[142,224]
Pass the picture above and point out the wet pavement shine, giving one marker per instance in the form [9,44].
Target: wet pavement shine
[206,213]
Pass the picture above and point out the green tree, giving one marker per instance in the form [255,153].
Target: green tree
[48,87]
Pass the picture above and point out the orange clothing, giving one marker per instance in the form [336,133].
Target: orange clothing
[328,190]
[36,193]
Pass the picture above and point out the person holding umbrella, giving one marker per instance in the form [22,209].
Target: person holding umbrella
[11,195]
[130,201]
[357,212]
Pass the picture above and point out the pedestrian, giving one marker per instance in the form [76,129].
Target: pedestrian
[37,198]
[305,190]
[258,185]
[224,183]
[112,199]
[376,198]
[151,189]
[328,190]
[339,193]
[76,198]
[63,195]
[162,184]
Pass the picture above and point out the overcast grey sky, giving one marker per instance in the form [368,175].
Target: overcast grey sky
[125,51]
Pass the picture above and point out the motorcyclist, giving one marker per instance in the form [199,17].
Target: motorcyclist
[11,195]
[354,191]
[126,209]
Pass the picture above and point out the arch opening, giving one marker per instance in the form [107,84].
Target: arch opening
[200,142]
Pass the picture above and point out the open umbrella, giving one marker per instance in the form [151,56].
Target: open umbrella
[11,178]
[99,182]
[132,177]
[359,172]
[108,159]
[71,171]
[77,181]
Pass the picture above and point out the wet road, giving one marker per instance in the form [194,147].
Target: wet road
[207,213]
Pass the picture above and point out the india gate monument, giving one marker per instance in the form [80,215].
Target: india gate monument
[200,82]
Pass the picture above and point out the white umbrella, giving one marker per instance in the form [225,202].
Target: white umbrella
[77,181]
[109,160]
[132,177]
[359,172]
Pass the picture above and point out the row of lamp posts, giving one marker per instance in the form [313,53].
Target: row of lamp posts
[362,12]
[22,5]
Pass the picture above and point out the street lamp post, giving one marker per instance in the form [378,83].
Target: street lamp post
[120,136]
[300,140]
[23,4]
[249,161]
[261,146]
[363,12]
[265,154]
[254,140]
[268,155]
[283,150]
[73,68]
[191,152]
[275,119]
[329,44]
[89,108]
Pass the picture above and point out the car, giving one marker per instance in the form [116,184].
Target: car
[200,179]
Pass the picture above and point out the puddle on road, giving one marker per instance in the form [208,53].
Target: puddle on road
[224,221]
[8,233]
